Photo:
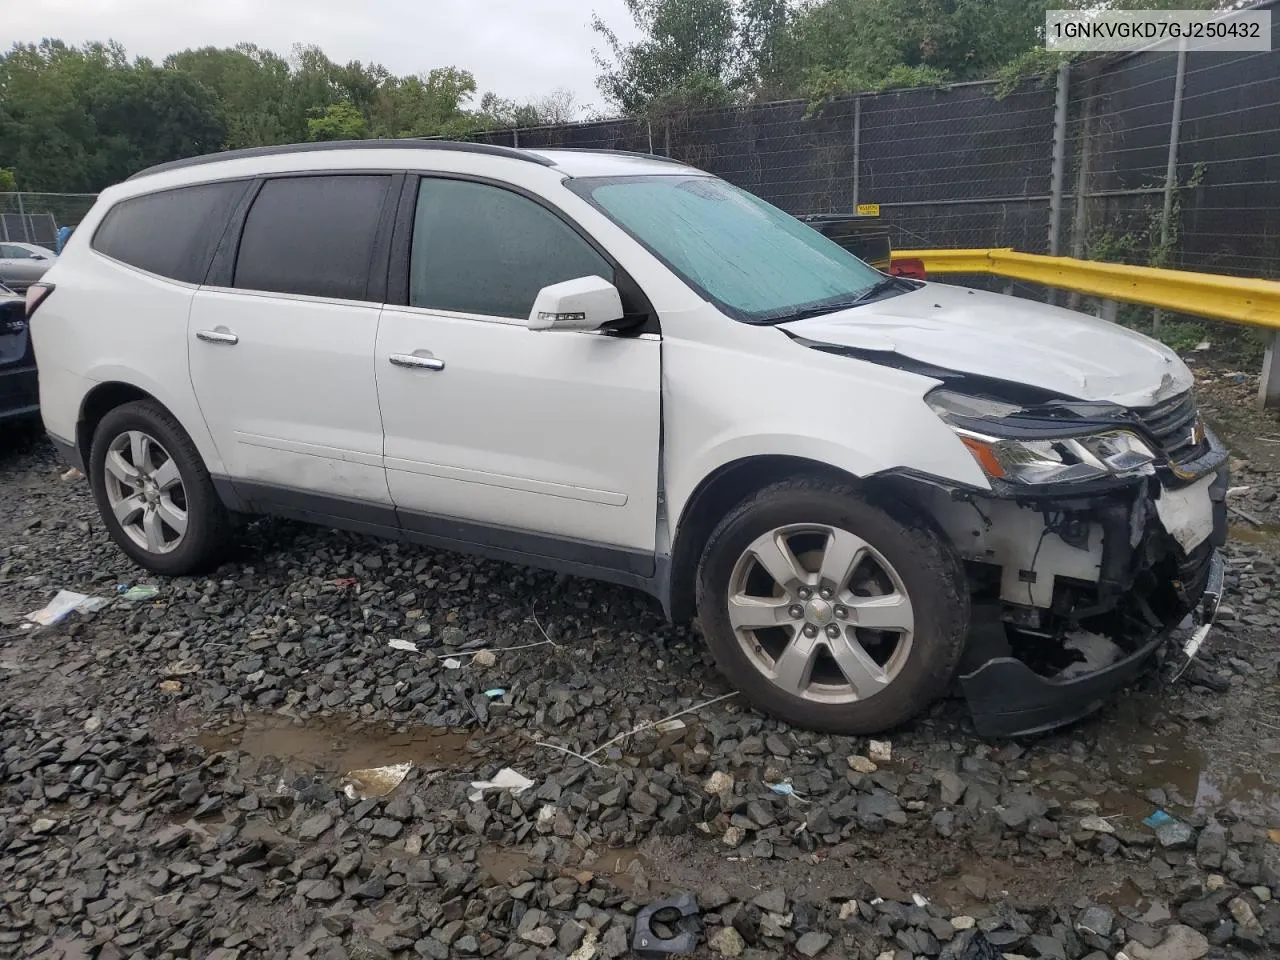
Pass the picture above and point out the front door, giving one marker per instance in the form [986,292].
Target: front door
[538,442]
[282,359]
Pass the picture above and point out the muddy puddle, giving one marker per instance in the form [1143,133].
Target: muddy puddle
[627,869]
[1248,533]
[335,745]
[1140,752]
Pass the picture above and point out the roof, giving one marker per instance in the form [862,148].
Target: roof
[573,163]
[608,163]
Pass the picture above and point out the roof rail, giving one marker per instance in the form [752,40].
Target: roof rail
[325,145]
[616,153]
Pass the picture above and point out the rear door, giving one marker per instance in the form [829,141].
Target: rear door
[538,442]
[281,347]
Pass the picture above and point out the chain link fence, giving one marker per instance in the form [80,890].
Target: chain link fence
[1161,158]
[37,217]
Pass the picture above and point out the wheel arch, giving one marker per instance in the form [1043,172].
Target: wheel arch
[97,403]
[718,493]
[115,387]
[731,483]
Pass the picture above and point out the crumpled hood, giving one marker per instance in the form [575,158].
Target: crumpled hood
[1011,339]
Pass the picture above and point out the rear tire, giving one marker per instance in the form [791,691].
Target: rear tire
[154,493]
[787,577]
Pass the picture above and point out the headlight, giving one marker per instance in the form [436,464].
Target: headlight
[1037,461]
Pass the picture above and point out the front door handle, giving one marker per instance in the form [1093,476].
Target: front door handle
[221,335]
[416,362]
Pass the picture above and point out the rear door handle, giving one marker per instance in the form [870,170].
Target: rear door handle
[218,336]
[416,362]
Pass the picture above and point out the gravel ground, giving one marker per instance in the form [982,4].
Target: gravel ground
[174,770]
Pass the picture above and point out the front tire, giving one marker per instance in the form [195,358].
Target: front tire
[154,493]
[829,612]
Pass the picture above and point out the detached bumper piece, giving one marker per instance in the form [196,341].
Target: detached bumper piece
[1006,698]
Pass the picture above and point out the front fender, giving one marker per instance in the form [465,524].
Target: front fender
[723,405]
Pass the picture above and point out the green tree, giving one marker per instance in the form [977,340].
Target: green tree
[338,121]
[146,116]
[430,104]
[557,107]
[250,88]
[705,52]
[46,134]
[688,55]
[845,46]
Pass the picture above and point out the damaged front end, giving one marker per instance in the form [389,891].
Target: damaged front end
[1096,542]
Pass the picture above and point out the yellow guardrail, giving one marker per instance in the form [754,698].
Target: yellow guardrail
[1236,299]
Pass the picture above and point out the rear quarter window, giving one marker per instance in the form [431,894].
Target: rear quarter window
[172,233]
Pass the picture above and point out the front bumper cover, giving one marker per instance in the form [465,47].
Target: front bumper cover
[1006,698]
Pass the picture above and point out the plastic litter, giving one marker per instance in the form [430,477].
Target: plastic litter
[495,693]
[505,779]
[1098,652]
[143,591]
[647,941]
[881,751]
[670,726]
[72,474]
[375,781]
[783,788]
[1158,819]
[407,645]
[451,663]
[64,603]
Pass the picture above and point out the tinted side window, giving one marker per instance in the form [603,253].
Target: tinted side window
[481,249]
[312,235]
[172,233]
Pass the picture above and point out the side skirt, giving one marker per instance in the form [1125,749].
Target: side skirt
[578,558]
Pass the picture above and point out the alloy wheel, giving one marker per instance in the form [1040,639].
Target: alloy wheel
[145,492]
[821,613]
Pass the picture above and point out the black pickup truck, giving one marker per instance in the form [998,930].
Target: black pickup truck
[866,239]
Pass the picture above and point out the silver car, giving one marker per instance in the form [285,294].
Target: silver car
[22,264]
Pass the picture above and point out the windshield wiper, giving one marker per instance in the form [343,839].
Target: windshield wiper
[881,286]
[832,306]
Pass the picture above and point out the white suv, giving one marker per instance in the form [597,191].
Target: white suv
[621,367]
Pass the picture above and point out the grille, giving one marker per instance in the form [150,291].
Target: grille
[1175,426]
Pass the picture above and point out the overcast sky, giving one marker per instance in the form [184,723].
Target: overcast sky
[519,49]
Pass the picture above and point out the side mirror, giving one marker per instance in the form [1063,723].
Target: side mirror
[587,303]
